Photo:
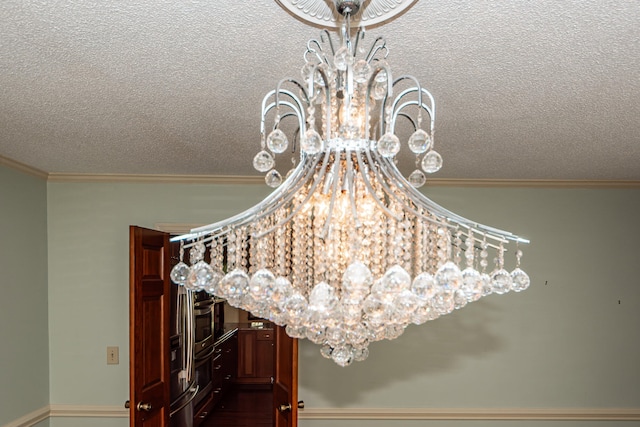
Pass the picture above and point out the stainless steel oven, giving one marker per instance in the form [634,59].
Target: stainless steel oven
[203,318]
[203,348]
[203,375]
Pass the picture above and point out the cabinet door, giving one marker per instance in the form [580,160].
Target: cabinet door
[246,355]
[264,356]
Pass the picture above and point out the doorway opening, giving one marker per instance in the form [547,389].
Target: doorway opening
[263,367]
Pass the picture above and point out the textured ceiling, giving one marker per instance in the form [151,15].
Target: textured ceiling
[541,89]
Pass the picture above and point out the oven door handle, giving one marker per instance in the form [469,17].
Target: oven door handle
[199,358]
[194,390]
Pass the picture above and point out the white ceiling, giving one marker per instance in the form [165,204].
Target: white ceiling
[525,89]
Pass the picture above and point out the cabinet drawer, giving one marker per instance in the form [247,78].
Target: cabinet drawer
[265,335]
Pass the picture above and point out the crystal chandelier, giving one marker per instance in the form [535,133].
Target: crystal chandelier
[346,251]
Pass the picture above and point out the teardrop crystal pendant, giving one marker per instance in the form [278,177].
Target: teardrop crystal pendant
[263,161]
[361,71]
[520,279]
[501,281]
[180,273]
[312,142]
[417,178]
[419,141]
[343,58]
[277,141]
[381,76]
[388,145]
[273,178]
[200,277]
[432,162]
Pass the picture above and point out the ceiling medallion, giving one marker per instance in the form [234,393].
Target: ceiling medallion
[318,12]
[346,251]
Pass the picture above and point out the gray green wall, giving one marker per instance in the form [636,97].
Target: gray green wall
[569,343]
[566,343]
[24,353]
[89,273]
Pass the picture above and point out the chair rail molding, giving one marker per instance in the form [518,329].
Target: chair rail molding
[31,418]
[472,414]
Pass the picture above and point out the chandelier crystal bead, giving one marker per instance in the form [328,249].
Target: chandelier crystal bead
[345,251]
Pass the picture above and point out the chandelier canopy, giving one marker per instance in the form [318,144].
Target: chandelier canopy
[346,251]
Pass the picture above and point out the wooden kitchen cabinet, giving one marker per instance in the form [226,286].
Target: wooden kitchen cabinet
[224,368]
[225,364]
[255,356]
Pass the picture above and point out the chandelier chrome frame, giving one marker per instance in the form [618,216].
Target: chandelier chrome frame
[346,251]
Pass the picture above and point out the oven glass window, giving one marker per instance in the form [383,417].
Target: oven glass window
[203,327]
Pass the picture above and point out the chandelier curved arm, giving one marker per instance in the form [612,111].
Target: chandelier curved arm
[335,173]
[408,117]
[282,194]
[298,84]
[251,215]
[392,194]
[417,88]
[430,109]
[429,204]
[297,109]
[491,232]
[327,89]
[378,69]
[398,112]
[319,53]
[374,196]
[350,188]
[295,112]
[329,40]
[359,37]
[375,48]
[303,182]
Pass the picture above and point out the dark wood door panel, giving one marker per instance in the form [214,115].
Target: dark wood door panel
[149,321]
[285,385]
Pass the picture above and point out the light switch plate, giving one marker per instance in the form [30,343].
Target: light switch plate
[113,355]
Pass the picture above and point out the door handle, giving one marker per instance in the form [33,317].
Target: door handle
[285,408]
[127,404]
[288,407]
[146,407]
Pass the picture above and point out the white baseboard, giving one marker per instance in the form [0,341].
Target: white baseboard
[460,414]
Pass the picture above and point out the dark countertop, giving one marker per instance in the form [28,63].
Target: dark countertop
[230,328]
[251,325]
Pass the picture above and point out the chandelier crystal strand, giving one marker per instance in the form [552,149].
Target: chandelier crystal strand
[345,251]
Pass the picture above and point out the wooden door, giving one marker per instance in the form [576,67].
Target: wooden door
[285,385]
[149,321]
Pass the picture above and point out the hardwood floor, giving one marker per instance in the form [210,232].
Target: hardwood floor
[243,408]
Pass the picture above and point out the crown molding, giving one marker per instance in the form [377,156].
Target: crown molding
[533,183]
[156,178]
[22,167]
[255,180]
